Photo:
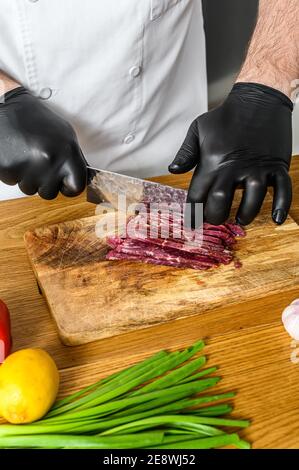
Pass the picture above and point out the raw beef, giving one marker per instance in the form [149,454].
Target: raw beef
[181,248]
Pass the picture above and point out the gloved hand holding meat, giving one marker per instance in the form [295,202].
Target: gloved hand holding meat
[245,142]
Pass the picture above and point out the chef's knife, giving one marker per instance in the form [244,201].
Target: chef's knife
[126,194]
[105,187]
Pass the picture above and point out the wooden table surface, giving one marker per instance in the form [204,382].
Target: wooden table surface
[254,359]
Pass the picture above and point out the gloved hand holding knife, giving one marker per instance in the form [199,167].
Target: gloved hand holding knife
[245,142]
[39,150]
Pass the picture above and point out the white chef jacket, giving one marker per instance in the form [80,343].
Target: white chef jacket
[129,75]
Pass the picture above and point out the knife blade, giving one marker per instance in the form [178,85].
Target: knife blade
[127,193]
[106,187]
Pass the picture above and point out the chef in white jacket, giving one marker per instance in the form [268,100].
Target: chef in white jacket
[115,70]
[118,83]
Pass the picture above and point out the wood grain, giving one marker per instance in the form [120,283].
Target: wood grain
[91,298]
[253,351]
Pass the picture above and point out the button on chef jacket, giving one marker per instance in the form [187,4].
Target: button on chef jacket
[129,75]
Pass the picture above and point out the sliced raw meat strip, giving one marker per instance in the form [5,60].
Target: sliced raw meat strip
[162,240]
[153,251]
[176,263]
[235,229]
[217,252]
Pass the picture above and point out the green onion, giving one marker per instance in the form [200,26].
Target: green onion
[183,421]
[62,441]
[204,443]
[175,392]
[119,386]
[157,403]
[113,385]
[121,374]
[183,404]
[173,377]
[215,410]
[200,374]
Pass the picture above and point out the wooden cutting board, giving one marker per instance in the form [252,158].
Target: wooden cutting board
[91,298]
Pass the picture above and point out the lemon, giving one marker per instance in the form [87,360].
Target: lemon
[29,382]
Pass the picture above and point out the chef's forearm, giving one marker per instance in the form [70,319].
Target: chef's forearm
[7,83]
[273,54]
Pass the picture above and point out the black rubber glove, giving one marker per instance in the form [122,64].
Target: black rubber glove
[246,142]
[38,149]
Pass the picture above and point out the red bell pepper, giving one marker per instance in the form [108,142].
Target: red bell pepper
[5,335]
